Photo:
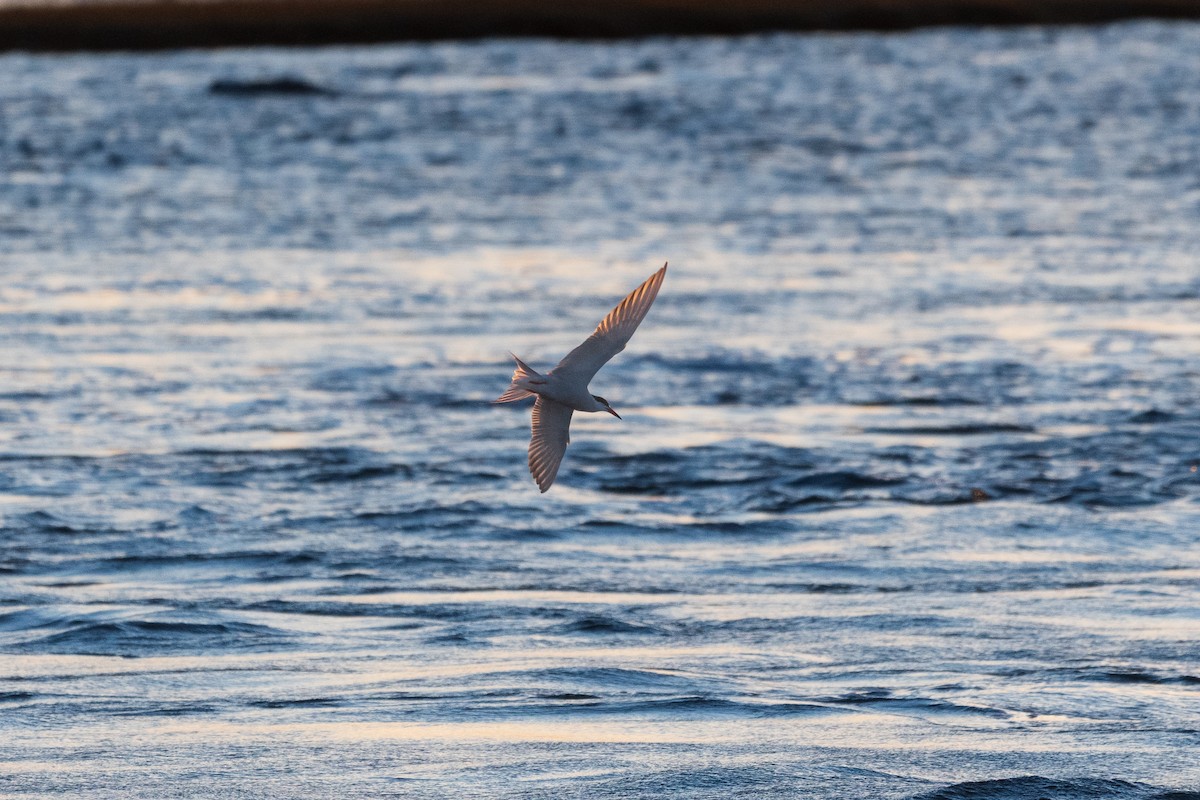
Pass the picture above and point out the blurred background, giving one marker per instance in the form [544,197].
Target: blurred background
[905,499]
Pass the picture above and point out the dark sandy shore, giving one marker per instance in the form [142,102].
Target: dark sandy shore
[151,24]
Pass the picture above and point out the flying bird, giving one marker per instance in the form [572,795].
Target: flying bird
[564,390]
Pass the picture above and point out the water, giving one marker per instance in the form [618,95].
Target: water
[905,500]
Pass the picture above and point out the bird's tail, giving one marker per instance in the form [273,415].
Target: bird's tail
[523,378]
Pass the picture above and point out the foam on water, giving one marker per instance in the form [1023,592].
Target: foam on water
[904,502]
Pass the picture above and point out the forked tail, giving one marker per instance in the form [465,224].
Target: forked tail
[523,378]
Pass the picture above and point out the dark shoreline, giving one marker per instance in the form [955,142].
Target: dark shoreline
[154,24]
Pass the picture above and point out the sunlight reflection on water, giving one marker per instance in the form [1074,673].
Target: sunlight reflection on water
[905,493]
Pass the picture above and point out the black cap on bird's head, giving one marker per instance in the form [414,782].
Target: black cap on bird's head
[604,403]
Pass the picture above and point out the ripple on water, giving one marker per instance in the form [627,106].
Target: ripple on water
[904,499]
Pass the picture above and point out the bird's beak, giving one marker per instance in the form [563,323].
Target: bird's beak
[615,414]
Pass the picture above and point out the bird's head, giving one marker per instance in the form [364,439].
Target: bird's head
[604,403]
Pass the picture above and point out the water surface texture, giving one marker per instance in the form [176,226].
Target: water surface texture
[905,501]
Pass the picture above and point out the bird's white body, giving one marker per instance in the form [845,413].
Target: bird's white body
[568,392]
[564,389]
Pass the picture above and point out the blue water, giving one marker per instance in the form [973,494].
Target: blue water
[904,503]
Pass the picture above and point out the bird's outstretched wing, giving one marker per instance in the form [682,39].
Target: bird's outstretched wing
[612,334]
[551,433]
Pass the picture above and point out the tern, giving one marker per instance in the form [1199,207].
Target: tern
[564,390]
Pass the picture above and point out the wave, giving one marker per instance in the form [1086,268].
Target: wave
[978,429]
[756,476]
[700,706]
[107,633]
[300,702]
[1125,675]
[604,624]
[614,678]
[17,697]
[1035,787]
[916,706]
[285,85]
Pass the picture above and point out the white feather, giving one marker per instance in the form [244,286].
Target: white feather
[612,334]
[551,434]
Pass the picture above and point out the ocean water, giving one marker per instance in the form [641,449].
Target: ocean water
[904,504]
